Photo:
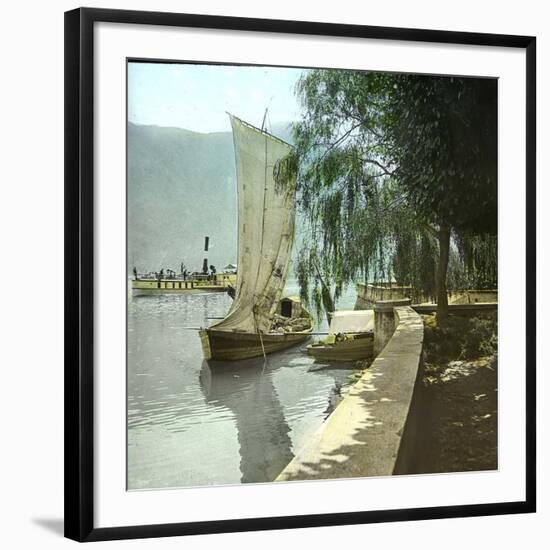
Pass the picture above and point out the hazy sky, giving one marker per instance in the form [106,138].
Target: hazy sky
[196,97]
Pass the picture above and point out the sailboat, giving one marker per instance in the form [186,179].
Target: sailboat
[259,320]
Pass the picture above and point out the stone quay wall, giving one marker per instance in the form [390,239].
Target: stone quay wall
[369,294]
[364,435]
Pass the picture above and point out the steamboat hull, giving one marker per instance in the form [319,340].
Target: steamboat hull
[196,290]
[143,287]
[232,346]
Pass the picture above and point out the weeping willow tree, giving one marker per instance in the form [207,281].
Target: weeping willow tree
[346,236]
[477,261]
[396,176]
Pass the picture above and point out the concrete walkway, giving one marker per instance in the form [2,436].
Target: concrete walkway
[362,436]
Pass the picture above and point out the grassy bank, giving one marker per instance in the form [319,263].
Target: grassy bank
[458,396]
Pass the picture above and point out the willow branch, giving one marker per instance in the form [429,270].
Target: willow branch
[339,140]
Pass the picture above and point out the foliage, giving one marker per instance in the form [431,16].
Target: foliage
[386,164]
[414,261]
[480,338]
[459,338]
[441,136]
[478,259]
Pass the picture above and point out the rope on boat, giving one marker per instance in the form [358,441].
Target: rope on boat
[261,339]
[263,351]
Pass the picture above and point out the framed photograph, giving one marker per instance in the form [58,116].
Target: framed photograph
[299,274]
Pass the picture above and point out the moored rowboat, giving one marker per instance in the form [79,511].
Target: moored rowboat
[353,347]
[350,338]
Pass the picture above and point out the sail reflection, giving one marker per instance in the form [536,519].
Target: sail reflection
[251,395]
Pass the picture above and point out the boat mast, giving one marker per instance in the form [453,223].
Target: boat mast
[263,121]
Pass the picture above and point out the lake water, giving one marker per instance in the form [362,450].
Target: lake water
[192,424]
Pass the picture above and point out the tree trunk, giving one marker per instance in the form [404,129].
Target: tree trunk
[444,237]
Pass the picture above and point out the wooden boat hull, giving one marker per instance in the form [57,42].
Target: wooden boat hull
[353,349]
[233,346]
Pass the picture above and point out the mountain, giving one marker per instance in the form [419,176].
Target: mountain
[181,188]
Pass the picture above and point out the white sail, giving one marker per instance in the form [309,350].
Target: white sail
[265,229]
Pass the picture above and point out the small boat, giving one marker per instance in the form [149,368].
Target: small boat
[260,321]
[350,337]
[220,282]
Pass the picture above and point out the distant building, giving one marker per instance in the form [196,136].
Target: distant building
[230,268]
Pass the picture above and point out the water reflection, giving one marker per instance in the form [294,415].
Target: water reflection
[248,392]
[193,424]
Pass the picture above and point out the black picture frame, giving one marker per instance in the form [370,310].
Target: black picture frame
[79,269]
